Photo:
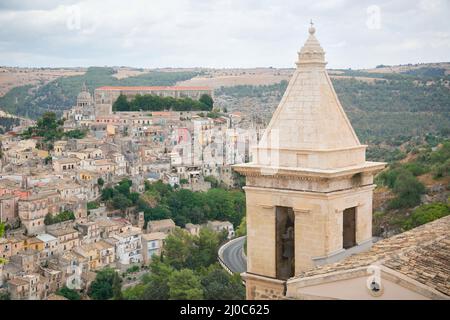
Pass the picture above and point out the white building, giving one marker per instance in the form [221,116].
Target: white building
[51,245]
[73,265]
[219,226]
[128,246]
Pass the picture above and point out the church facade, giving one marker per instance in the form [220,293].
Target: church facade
[82,113]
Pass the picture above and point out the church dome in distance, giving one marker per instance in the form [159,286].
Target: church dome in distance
[84,98]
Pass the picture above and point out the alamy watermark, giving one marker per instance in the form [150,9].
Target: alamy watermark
[373,21]
[73,21]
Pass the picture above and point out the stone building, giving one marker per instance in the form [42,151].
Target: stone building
[104,97]
[68,238]
[193,229]
[309,187]
[414,265]
[164,225]
[65,165]
[128,246]
[51,245]
[32,212]
[81,114]
[152,244]
[26,287]
[219,226]
[8,208]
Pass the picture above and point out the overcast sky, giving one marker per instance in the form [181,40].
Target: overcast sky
[221,33]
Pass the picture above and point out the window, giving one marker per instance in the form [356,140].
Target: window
[285,242]
[349,228]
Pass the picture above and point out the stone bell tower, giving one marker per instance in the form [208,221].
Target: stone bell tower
[309,188]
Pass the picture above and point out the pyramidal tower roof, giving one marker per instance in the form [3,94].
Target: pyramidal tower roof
[309,129]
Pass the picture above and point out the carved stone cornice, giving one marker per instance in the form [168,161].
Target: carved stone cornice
[254,170]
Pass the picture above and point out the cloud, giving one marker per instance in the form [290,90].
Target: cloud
[218,33]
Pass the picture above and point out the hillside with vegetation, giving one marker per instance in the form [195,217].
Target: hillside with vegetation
[161,201]
[413,191]
[188,267]
[48,129]
[60,94]
[8,123]
[385,109]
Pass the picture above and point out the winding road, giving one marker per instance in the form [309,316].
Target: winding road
[232,255]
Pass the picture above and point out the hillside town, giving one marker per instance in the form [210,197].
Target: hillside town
[185,151]
[55,237]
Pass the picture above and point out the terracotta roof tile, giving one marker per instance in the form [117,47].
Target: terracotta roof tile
[422,254]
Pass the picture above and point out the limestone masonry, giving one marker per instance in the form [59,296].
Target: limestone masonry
[309,194]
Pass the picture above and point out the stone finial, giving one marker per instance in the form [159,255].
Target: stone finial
[312,30]
[311,53]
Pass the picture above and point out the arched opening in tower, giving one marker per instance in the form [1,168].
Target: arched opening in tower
[285,249]
[349,228]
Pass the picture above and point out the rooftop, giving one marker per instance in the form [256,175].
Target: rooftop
[17,282]
[62,231]
[154,236]
[128,233]
[68,160]
[422,254]
[45,237]
[162,223]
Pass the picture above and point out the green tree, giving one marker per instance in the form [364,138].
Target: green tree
[2,229]
[48,121]
[68,293]
[408,190]
[121,104]
[92,205]
[60,217]
[119,201]
[426,213]
[124,187]
[219,285]
[158,213]
[134,293]
[100,182]
[2,232]
[4,295]
[48,220]
[75,134]
[204,249]
[207,100]
[156,282]
[117,287]
[133,197]
[242,229]
[177,248]
[108,193]
[185,285]
[102,287]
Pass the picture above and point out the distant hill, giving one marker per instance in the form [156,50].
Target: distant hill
[60,94]
[387,105]
[442,67]
[386,109]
